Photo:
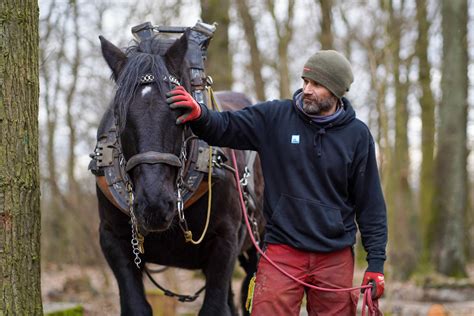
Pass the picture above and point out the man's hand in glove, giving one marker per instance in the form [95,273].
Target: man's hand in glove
[377,280]
[180,99]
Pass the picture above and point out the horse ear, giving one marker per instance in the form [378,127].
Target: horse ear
[174,56]
[114,57]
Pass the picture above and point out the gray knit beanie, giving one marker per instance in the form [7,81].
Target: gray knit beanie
[330,69]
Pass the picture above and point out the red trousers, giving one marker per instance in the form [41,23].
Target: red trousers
[277,295]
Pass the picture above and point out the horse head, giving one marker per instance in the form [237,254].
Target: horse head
[150,139]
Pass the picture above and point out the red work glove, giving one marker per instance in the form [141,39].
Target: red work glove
[179,98]
[377,281]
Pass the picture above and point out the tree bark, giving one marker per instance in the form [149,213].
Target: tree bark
[19,171]
[219,58]
[326,38]
[427,105]
[448,229]
[256,63]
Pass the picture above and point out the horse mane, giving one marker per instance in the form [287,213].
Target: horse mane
[143,58]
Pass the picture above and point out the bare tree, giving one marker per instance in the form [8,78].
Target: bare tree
[70,96]
[403,238]
[284,32]
[448,228]
[19,167]
[427,105]
[326,37]
[256,63]
[219,64]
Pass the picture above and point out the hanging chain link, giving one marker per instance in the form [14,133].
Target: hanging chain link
[244,181]
[137,238]
[179,187]
[253,221]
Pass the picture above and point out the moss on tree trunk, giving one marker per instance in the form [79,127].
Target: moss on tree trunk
[19,173]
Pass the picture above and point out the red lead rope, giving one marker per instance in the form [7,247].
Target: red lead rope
[372,306]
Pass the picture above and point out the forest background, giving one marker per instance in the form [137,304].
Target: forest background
[414,84]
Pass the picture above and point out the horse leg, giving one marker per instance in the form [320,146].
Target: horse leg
[248,261]
[118,251]
[218,272]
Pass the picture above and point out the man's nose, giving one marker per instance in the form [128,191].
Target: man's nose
[308,89]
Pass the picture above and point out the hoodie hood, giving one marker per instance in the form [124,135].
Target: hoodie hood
[347,116]
[342,120]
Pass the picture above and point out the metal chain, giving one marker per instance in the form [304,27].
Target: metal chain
[182,158]
[253,221]
[255,232]
[244,181]
[137,238]
[180,184]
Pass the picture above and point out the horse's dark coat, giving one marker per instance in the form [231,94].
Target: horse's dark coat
[146,123]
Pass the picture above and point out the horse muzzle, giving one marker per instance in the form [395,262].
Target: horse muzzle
[155,217]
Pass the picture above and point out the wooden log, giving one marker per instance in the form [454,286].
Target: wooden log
[63,309]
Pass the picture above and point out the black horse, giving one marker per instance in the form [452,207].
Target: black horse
[146,124]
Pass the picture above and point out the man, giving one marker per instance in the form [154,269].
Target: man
[321,179]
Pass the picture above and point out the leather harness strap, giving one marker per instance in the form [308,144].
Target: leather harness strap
[104,187]
[152,157]
[110,181]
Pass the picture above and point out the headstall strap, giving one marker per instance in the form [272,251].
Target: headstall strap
[172,79]
[147,78]
[150,78]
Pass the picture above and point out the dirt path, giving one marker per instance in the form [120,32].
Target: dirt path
[96,290]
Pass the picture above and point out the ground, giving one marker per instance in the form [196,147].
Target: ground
[96,290]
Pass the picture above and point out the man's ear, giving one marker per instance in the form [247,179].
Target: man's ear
[114,57]
[175,55]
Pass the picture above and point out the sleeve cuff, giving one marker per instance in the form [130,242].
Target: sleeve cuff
[376,265]
[203,118]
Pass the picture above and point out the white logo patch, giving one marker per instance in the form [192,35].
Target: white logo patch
[295,139]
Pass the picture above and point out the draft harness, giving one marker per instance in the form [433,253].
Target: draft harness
[195,162]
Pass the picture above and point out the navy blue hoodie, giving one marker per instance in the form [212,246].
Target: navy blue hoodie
[319,179]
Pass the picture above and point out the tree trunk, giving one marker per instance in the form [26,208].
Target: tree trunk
[284,31]
[19,171]
[71,93]
[427,105]
[50,99]
[448,229]
[326,37]
[219,58]
[255,60]
[402,218]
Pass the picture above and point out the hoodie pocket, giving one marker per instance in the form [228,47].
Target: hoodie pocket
[308,218]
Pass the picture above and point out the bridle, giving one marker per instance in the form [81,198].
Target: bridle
[151,157]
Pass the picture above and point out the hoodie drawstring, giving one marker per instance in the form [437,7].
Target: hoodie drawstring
[319,140]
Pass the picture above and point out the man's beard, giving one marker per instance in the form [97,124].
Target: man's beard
[316,106]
